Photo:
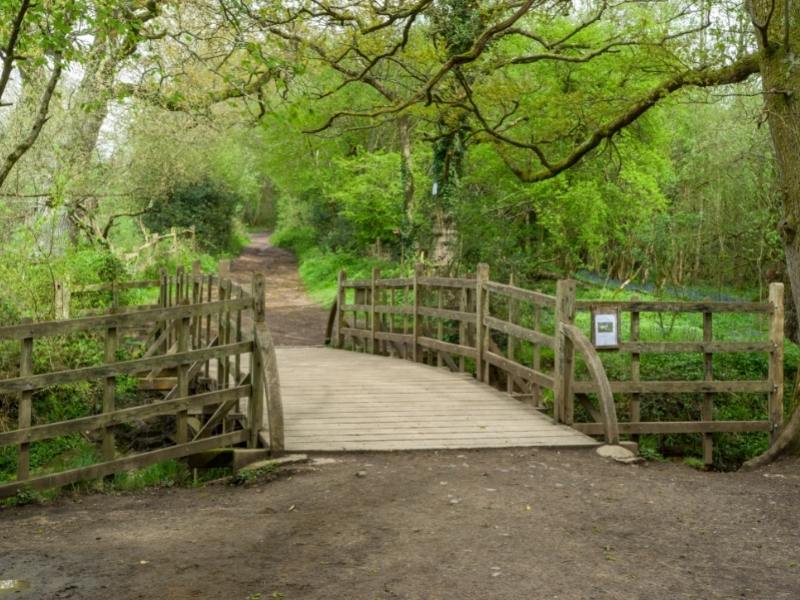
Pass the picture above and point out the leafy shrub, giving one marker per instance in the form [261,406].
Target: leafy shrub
[206,206]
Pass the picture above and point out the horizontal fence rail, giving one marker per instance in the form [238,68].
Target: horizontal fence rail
[204,328]
[525,342]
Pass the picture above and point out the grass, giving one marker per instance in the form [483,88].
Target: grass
[165,474]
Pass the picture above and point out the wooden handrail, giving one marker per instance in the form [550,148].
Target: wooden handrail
[181,319]
[422,343]
[608,410]
[123,319]
[669,306]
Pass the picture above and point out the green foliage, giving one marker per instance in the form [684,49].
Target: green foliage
[248,475]
[169,473]
[204,205]
[371,202]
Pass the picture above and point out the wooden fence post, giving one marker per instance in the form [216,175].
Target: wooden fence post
[25,406]
[224,268]
[373,324]
[182,418]
[512,341]
[197,298]
[635,400]
[163,301]
[61,300]
[776,333]
[340,300]
[258,391]
[463,306]
[225,333]
[179,285]
[114,297]
[481,277]
[707,408]
[416,323]
[110,392]
[270,378]
[563,408]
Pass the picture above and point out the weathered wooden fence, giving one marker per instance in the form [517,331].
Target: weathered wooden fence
[525,342]
[200,325]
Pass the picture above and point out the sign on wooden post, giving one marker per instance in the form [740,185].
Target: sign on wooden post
[605,330]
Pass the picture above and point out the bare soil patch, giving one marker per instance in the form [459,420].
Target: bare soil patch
[424,525]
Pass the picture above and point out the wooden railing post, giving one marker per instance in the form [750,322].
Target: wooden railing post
[110,392]
[440,326]
[416,323]
[512,341]
[373,323]
[481,278]
[197,298]
[536,361]
[61,300]
[225,333]
[340,299]
[635,402]
[707,409]
[266,363]
[179,287]
[224,268]
[257,394]
[463,306]
[25,406]
[563,374]
[182,418]
[776,332]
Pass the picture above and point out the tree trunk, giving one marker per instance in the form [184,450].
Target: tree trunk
[406,167]
[777,27]
[445,238]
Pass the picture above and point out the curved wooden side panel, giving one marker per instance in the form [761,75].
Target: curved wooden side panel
[608,410]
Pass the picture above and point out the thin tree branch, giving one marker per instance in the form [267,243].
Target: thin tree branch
[9,52]
[38,123]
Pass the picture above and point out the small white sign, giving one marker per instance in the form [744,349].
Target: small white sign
[606,330]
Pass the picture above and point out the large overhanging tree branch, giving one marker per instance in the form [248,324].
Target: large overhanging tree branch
[424,93]
[737,72]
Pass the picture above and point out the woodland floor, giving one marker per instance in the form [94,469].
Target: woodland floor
[487,524]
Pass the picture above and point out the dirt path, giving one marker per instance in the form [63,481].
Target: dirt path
[294,319]
[500,524]
[479,525]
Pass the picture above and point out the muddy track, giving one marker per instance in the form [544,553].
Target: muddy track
[294,319]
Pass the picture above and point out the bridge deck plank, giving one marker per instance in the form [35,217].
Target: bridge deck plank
[335,400]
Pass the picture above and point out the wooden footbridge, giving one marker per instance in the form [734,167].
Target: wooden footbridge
[434,363]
